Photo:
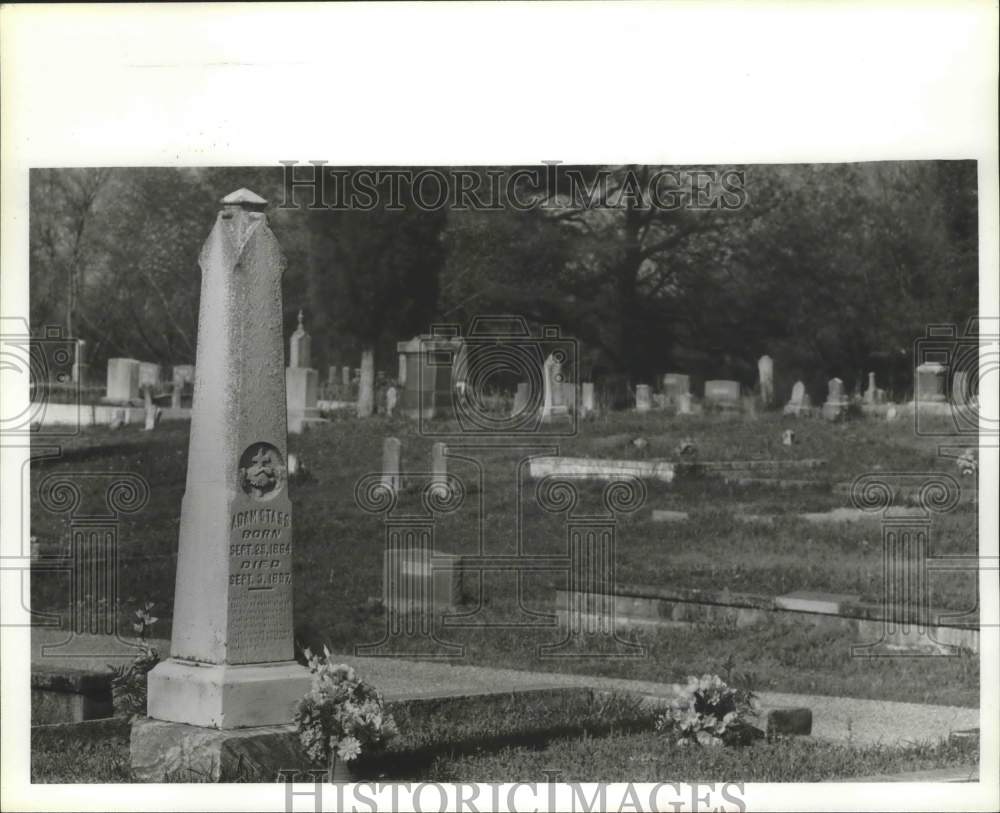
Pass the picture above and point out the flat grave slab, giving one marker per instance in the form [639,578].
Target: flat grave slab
[602,469]
[811,601]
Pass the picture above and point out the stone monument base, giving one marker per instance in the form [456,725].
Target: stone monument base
[162,751]
[223,696]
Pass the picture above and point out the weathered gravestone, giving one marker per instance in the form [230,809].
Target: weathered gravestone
[149,374]
[835,406]
[439,467]
[643,398]
[799,404]
[520,398]
[231,662]
[722,394]
[183,374]
[430,361]
[123,380]
[391,477]
[674,386]
[366,384]
[552,401]
[587,398]
[401,374]
[117,419]
[152,412]
[79,372]
[765,372]
[871,390]
[182,378]
[301,382]
[684,406]
[345,379]
[175,395]
[930,383]
[569,395]
[391,397]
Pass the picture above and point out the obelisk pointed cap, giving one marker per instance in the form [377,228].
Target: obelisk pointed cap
[245,199]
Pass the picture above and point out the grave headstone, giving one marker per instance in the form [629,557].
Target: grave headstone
[587,397]
[871,390]
[417,575]
[765,372]
[153,415]
[674,386]
[123,380]
[569,395]
[930,383]
[401,375]
[175,395]
[799,404]
[722,394]
[552,403]
[183,374]
[366,384]
[117,419]
[643,399]
[149,374]
[301,383]
[345,379]
[520,398]
[390,400]
[788,438]
[300,347]
[684,406]
[430,362]
[232,659]
[835,406]
[391,478]
[80,367]
[439,465]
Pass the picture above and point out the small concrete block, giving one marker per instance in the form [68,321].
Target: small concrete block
[669,516]
[163,751]
[796,722]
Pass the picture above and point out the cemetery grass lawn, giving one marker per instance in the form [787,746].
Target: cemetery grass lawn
[338,547]
[650,757]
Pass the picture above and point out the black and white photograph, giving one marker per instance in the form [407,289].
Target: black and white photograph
[356,467]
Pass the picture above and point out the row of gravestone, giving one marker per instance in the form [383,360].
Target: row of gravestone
[127,378]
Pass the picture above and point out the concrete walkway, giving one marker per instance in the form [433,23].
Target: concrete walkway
[842,719]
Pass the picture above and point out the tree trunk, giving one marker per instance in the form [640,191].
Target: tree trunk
[366,386]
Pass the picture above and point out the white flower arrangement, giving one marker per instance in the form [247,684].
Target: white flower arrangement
[342,716]
[710,712]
